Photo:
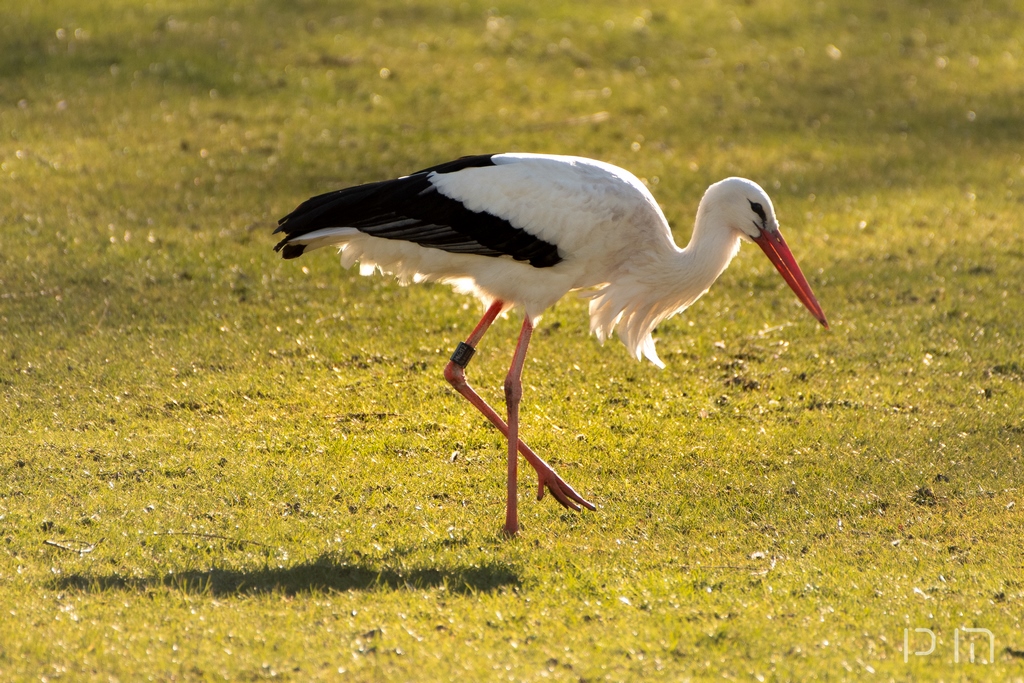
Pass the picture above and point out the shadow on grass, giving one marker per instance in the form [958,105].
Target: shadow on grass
[326,573]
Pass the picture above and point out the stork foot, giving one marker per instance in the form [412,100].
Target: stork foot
[549,479]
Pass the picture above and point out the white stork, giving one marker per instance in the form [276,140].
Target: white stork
[523,230]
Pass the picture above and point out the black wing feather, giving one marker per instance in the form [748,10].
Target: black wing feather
[411,209]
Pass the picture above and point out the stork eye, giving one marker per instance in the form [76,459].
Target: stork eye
[759,210]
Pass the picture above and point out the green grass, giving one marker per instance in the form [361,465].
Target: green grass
[259,453]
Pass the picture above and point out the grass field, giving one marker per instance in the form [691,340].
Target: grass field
[218,465]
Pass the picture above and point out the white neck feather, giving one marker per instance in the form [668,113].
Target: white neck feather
[664,284]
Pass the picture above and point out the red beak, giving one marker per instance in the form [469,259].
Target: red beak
[779,254]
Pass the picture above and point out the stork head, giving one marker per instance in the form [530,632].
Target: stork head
[745,207]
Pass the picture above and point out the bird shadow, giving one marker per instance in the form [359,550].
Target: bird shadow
[326,573]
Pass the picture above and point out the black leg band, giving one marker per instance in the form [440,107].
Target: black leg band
[462,354]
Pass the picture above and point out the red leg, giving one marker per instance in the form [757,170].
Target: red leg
[546,476]
[513,394]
